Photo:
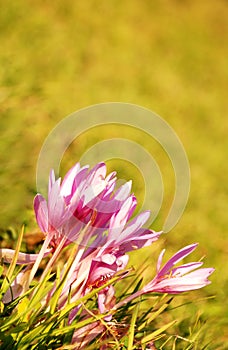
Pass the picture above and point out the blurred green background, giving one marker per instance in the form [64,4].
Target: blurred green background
[168,56]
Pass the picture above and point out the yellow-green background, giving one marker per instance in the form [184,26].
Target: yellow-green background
[169,56]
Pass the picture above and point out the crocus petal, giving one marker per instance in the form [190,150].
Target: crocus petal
[67,184]
[51,180]
[56,206]
[123,192]
[159,262]
[84,335]
[41,212]
[118,221]
[193,280]
[111,181]
[106,300]
[177,257]
[139,240]
[186,268]
[112,204]
[93,191]
[96,175]
[71,191]
[133,226]
[6,255]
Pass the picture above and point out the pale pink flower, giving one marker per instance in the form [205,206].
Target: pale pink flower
[79,209]
[84,197]
[175,280]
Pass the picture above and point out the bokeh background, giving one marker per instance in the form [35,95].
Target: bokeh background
[169,56]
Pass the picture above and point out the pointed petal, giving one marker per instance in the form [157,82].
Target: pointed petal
[41,212]
[186,268]
[133,227]
[142,240]
[124,191]
[51,180]
[67,183]
[56,206]
[177,257]
[93,191]
[118,221]
[159,262]
[194,280]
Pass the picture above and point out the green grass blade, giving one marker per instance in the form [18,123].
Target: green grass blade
[10,271]
[154,334]
[132,327]
[60,282]
[153,316]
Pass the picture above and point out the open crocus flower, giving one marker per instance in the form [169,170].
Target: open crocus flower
[175,280]
[83,198]
[79,209]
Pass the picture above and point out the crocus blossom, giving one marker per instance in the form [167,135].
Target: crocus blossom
[83,197]
[170,279]
[175,280]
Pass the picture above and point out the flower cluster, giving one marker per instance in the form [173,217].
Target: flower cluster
[87,209]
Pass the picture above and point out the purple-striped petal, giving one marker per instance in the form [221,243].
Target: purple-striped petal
[177,257]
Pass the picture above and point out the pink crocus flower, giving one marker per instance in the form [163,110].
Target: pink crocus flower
[78,209]
[83,198]
[175,280]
